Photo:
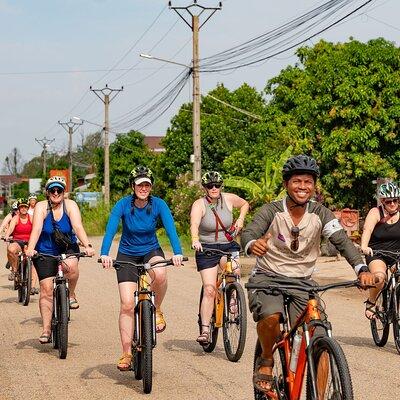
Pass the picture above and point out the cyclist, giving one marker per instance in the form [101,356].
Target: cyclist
[209,218]
[19,228]
[285,237]
[139,214]
[32,199]
[7,219]
[381,232]
[62,215]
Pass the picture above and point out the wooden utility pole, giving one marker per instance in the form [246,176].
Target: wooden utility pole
[194,25]
[106,92]
[70,127]
[44,143]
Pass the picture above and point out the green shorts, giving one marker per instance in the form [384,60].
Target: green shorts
[262,304]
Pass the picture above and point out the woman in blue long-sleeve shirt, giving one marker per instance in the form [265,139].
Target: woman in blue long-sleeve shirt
[139,213]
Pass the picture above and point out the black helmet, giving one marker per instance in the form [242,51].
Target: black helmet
[141,172]
[22,202]
[300,164]
[211,177]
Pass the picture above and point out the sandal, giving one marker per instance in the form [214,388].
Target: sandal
[11,276]
[73,303]
[370,310]
[259,377]
[124,363]
[45,338]
[204,337]
[160,322]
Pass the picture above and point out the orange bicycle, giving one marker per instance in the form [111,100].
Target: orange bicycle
[229,311]
[298,350]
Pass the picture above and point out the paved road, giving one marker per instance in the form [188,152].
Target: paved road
[182,371]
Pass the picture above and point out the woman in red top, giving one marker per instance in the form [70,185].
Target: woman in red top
[20,229]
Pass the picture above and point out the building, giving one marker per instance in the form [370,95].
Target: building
[154,143]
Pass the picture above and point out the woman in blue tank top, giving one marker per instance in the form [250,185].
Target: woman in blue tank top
[139,214]
[67,218]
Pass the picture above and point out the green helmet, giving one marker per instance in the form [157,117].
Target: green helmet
[141,174]
[22,202]
[389,191]
[211,177]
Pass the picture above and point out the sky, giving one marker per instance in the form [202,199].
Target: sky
[54,50]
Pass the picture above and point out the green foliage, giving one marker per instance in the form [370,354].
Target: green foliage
[21,190]
[185,239]
[95,219]
[342,106]
[181,200]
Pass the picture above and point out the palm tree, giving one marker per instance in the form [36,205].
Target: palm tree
[269,188]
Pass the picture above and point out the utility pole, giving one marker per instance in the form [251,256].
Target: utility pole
[106,92]
[70,127]
[45,144]
[195,26]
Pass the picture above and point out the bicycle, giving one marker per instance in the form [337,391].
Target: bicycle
[230,295]
[144,333]
[23,276]
[61,312]
[387,304]
[328,375]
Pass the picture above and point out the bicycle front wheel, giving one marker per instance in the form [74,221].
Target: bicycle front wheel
[147,345]
[380,321]
[235,322]
[62,319]
[208,348]
[26,280]
[332,375]
[396,317]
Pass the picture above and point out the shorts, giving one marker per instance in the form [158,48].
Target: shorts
[262,304]
[205,261]
[129,273]
[47,267]
[389,261]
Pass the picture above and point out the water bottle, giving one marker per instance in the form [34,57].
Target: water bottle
[295,352]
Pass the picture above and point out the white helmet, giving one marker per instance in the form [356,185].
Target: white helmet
[56,181]
[389,191]
[32,196]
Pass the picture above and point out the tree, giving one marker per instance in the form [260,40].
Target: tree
[341,104]
[13,162]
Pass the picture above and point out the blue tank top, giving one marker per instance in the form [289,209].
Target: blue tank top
[46,243]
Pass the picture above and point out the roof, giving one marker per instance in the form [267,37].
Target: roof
[6,180]
[154,143]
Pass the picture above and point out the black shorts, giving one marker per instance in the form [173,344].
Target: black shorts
[47,267]
[386,259]
[129,273]
[204,261]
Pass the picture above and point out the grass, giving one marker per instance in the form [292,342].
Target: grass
[185,242]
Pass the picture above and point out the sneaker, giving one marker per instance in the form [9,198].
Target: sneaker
[33,291]
[11,276]
[8,266]
[37,291]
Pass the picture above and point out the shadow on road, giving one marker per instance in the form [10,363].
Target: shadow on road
[183,345]
[13,299]
[366,342]
[32,321]
[42,348]
[110,371]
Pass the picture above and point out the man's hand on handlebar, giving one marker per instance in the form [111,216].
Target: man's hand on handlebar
[368,279]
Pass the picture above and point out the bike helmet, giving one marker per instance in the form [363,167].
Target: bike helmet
[389,191]
[14,206]
[32,196]
[141,174]
[56,181]
[300,164]
[211,177]
[22,202]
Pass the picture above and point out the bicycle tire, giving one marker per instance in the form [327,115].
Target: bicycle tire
[136,364]
[278,372]
[235,322]
[396,317]
[62,319]
[339,385]
[54,336]
[18,284]
[208,348]
[380,322]
[26,280]
[147,345]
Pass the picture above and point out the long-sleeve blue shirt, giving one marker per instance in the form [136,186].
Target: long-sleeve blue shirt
[139,229]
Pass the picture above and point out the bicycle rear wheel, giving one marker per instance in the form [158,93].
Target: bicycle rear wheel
[209,348]
[235,322]
[26,280]
[332,373]
[18,280]
[396,317]
[62,319]
[380,322]
[147,345]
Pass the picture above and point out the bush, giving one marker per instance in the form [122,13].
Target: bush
[181,200]
[95,219]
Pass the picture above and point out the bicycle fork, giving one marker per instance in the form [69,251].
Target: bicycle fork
[138,298]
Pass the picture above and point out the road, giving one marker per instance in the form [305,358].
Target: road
[182,370]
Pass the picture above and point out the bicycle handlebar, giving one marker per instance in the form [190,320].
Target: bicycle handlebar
[61,257]
[117,264]
[11,240]
[211,251]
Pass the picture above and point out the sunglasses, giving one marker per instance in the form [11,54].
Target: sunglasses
[211,185]
[390,201]
[56,190]
[295,232]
